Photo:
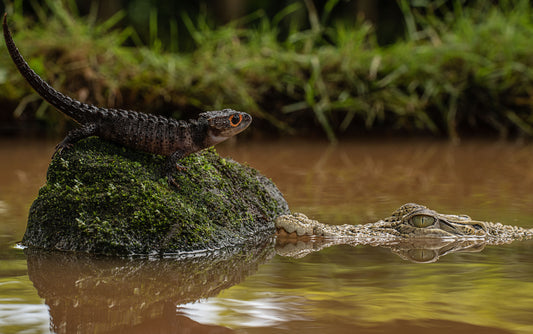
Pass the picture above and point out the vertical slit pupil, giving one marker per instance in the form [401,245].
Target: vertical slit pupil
[235,120]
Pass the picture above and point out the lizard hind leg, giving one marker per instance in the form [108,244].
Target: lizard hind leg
[75,135]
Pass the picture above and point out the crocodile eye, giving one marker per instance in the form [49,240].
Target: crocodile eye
[235,120]
[479,226]
[422,221]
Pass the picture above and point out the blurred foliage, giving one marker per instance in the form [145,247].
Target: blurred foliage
[457,68]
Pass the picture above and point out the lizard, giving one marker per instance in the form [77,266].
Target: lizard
[154,134]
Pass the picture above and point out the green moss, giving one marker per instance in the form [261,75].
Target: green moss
[103,198]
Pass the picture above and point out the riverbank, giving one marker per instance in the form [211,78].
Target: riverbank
[462,71]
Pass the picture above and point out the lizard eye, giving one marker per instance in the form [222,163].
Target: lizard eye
[422,220]
[235,120]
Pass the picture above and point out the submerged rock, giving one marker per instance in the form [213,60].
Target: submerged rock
[106,199]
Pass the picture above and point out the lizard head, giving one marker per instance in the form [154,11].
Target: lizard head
[224,124]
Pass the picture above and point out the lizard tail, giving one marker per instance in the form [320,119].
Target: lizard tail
[65,104]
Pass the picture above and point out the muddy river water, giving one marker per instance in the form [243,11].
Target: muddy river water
[340,289]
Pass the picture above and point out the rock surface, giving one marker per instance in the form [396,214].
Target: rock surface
[105,199]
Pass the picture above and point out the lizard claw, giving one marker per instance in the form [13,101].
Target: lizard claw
[172,181]
[60,147]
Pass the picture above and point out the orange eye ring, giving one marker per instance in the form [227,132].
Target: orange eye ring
[235,120]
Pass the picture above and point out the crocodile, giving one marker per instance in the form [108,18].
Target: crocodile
[413,231]
[154,134]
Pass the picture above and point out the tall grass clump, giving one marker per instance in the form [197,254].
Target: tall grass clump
[457,69]
[78,56]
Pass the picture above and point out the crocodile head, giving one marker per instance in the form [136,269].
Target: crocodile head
[409,221]
[223,124]
[413,231]
[414,220]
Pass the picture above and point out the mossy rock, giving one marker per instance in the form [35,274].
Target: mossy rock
[105,199]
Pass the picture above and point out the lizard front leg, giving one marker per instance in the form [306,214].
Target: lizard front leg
[75,135]
[172,164]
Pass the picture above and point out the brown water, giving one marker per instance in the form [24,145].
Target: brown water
[340,289]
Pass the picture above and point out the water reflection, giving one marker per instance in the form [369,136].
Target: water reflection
[428,251]
[417,251]
[360,181]
[99,294]
[88,294]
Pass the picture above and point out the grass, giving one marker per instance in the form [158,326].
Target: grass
[457,70]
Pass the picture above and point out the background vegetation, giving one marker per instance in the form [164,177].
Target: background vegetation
[438,67]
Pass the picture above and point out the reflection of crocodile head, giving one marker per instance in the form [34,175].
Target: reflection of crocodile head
[430,250]
[413,231]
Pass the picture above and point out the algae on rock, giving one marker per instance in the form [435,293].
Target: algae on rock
[107,199]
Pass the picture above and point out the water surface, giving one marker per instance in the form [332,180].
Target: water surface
[341,289]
